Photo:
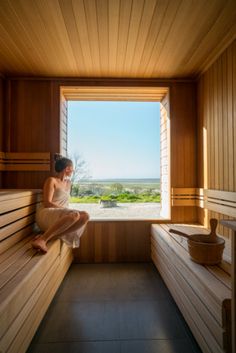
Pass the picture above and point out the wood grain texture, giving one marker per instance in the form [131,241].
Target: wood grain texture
[216,120]
[113,38]
[2,99]
[199,291]
[28,280]
[183,132]
[115,241]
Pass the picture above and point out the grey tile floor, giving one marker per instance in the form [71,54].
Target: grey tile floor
[113,308]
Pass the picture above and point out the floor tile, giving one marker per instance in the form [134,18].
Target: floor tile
[158,346]
[109,282]
[110,321]
[76,347]
[113,308]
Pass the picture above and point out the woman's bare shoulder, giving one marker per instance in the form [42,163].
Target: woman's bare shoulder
[50,181]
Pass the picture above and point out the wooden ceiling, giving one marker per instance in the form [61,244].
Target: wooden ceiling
[113,38]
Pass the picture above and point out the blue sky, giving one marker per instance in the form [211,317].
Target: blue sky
[116,139]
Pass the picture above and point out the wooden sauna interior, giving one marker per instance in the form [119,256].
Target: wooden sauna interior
[51,51]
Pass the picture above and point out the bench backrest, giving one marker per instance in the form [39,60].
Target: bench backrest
[17,215]
[217,203]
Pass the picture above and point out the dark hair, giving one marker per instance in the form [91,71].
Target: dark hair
[61,162]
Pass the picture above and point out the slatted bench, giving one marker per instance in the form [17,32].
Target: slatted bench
[202,293]
[28,280]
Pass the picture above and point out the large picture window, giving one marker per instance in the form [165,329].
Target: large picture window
[116,149]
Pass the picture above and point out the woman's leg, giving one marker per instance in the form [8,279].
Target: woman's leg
[60,227]
[83,220]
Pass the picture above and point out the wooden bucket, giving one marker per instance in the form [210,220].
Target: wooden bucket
[206,253]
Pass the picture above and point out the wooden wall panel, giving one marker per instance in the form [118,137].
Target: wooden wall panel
[183,123]
[115,241]
[217,128]
[1,119]
[31,126]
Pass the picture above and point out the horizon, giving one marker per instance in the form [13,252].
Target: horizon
[103,179]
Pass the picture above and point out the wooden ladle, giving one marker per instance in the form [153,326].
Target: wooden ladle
[203,238]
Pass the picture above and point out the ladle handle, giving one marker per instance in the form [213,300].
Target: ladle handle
[172,230]
[213,224]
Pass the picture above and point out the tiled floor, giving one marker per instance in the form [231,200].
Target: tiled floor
[113,308]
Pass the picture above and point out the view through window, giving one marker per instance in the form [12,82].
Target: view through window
[115,147]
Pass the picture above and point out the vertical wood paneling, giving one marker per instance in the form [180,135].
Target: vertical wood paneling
[115,241]
[217,114]
[1,120]
[183,127]
[230,116]
[234,110]
[33,126]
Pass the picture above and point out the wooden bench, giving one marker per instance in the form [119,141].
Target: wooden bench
[28,280]
[202,293]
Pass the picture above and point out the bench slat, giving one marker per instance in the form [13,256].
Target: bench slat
[28,307]
[13,259]
[14,249]
[13,204]
[196,301]
[16,226]
[24,283]
[217,290]
[13,216]
[225,264]
[213,305]
[29,327]
[191,315]
[12,194]
[8,243]
[16,266]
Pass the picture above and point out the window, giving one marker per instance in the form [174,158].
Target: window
[116,150]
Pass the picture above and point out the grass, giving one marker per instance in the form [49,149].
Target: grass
[122,198]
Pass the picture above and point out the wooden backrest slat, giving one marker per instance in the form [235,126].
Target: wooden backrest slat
[17,215]
[16,226]
[8,194]
[13,204]
[219,201]
[13,216]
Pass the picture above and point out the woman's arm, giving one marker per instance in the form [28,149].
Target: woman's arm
[48,191]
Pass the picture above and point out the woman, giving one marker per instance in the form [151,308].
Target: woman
[54,217]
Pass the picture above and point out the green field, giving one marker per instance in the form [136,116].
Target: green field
[122,191]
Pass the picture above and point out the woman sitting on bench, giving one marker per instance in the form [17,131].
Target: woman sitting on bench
[54,217]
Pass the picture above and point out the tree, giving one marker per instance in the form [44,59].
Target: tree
[81,170]
[117,187]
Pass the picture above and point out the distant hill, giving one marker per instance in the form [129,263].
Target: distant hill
[122,181]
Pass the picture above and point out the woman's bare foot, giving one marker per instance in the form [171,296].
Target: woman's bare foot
[40,244]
